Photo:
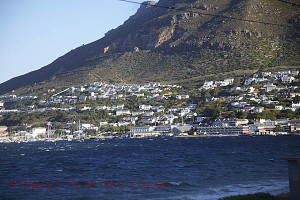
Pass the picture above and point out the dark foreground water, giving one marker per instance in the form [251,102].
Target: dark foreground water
[195,168]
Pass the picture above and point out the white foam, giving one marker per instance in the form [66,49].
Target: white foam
[271,186]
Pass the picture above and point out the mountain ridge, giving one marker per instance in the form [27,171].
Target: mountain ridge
[158,44]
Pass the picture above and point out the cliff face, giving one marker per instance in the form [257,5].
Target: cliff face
[190,40]
[154,27]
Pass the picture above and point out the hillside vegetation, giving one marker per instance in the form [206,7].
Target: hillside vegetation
[188,42]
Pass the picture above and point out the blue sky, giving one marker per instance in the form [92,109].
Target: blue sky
[34,33]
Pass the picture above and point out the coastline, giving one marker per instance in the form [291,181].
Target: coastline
[115,137]
[258,196]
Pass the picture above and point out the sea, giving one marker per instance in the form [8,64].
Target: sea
[158,168]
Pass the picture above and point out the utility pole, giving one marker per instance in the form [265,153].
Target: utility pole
[49,124]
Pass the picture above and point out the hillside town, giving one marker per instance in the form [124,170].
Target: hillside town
[265,103]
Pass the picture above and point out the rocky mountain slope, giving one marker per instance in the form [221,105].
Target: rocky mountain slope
[188,41]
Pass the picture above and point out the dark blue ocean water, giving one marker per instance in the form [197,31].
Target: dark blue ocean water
[195,168]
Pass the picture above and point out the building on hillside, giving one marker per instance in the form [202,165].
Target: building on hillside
[208,85]
[182,97]
[287,79]
[258,109]
[296,105]
[269,87]
[123,112]
[145,107]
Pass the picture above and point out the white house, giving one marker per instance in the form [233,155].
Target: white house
[208,85]
[103,123]
[170,118]
[82,98]
[287,79]
[269,122]
[182,96]
[85,108]
[192,106]
[101,108]
[296,105]
[103,96]
[120,107]
[96,84]
[85,126]
[38,131]
[149,113]
[249,81]
[155,108]
[279,107]
[258,109]
[132,120]
[269,87]
[80,89]
[266,74]
[71,90]
[145,107]
[139,95]
[136,113]
[149,120]
[239,104]
[269,102]
[123,112]
[229,81]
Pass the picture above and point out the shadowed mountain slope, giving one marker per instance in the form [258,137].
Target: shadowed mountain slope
[167,45]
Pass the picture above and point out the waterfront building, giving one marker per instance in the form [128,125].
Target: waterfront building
[225,130]
[39,131]
[142,131]
[3,131]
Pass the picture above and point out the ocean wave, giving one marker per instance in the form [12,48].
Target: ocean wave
[211,193]
[180,184]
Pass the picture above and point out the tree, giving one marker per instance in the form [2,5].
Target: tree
[237,82]
[242,115]
[277,129]
[91,132]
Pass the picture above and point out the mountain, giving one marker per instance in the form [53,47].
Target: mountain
[187,42]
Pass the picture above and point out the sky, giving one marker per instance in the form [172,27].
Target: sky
[33,33]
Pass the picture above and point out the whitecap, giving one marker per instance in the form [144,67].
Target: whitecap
[212,193]
[175,183]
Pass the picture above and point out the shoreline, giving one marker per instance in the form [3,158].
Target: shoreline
[258,196]
[112,137]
